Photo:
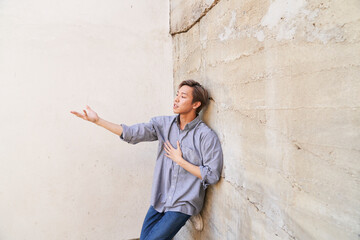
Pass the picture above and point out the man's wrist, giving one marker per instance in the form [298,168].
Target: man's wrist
[181,161]
[98,121]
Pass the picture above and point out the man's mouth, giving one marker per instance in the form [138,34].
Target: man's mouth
[175,106]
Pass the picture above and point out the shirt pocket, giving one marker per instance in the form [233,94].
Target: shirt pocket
[191,155]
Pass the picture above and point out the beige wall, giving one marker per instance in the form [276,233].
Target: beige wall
[284,76]
[62,177]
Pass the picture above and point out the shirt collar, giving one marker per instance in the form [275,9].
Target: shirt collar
[191,124]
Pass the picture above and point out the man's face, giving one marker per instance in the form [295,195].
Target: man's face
[183,101]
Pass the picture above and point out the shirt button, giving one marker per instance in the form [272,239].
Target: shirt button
[172,186]
[170,197]
[175,175]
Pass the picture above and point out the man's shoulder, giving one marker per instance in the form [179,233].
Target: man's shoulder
[161,120]
[205,131]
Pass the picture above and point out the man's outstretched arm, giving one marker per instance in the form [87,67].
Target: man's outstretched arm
[112,127]
[91,116]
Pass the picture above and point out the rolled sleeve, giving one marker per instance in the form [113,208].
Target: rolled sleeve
[140,132]
[205,171]
[212,160]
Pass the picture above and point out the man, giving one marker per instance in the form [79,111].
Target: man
[189,158]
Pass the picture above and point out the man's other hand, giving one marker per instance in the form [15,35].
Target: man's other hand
[172,153]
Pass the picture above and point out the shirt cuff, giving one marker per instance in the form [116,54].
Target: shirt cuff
[205,171]
[124,136]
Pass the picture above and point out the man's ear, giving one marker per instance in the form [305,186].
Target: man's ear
[196,104]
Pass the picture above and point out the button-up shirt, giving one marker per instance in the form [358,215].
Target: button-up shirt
[174,188]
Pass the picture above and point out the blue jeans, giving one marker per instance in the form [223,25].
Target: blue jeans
[162,226]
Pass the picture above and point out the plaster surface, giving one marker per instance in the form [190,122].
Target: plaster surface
[61,177]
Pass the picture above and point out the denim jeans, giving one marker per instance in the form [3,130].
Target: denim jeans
[162,226]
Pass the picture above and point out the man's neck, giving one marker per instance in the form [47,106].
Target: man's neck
[186,118]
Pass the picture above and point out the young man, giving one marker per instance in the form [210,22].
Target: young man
[189,158]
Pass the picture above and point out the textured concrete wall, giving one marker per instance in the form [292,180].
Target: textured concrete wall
[62,178]
[284,76]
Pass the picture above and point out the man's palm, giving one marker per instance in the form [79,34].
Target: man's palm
[88,115]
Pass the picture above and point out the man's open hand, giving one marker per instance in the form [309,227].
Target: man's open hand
[172,153]
[88,115]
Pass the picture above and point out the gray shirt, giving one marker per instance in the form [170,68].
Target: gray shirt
[174,188]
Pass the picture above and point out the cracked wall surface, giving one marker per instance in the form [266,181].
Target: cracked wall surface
[284,76]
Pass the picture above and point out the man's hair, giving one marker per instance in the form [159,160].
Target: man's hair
[199,93]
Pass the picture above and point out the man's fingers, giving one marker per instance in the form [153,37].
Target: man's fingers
[169,144]
[85,112]
[167,152]
[77,114]
[166,147]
